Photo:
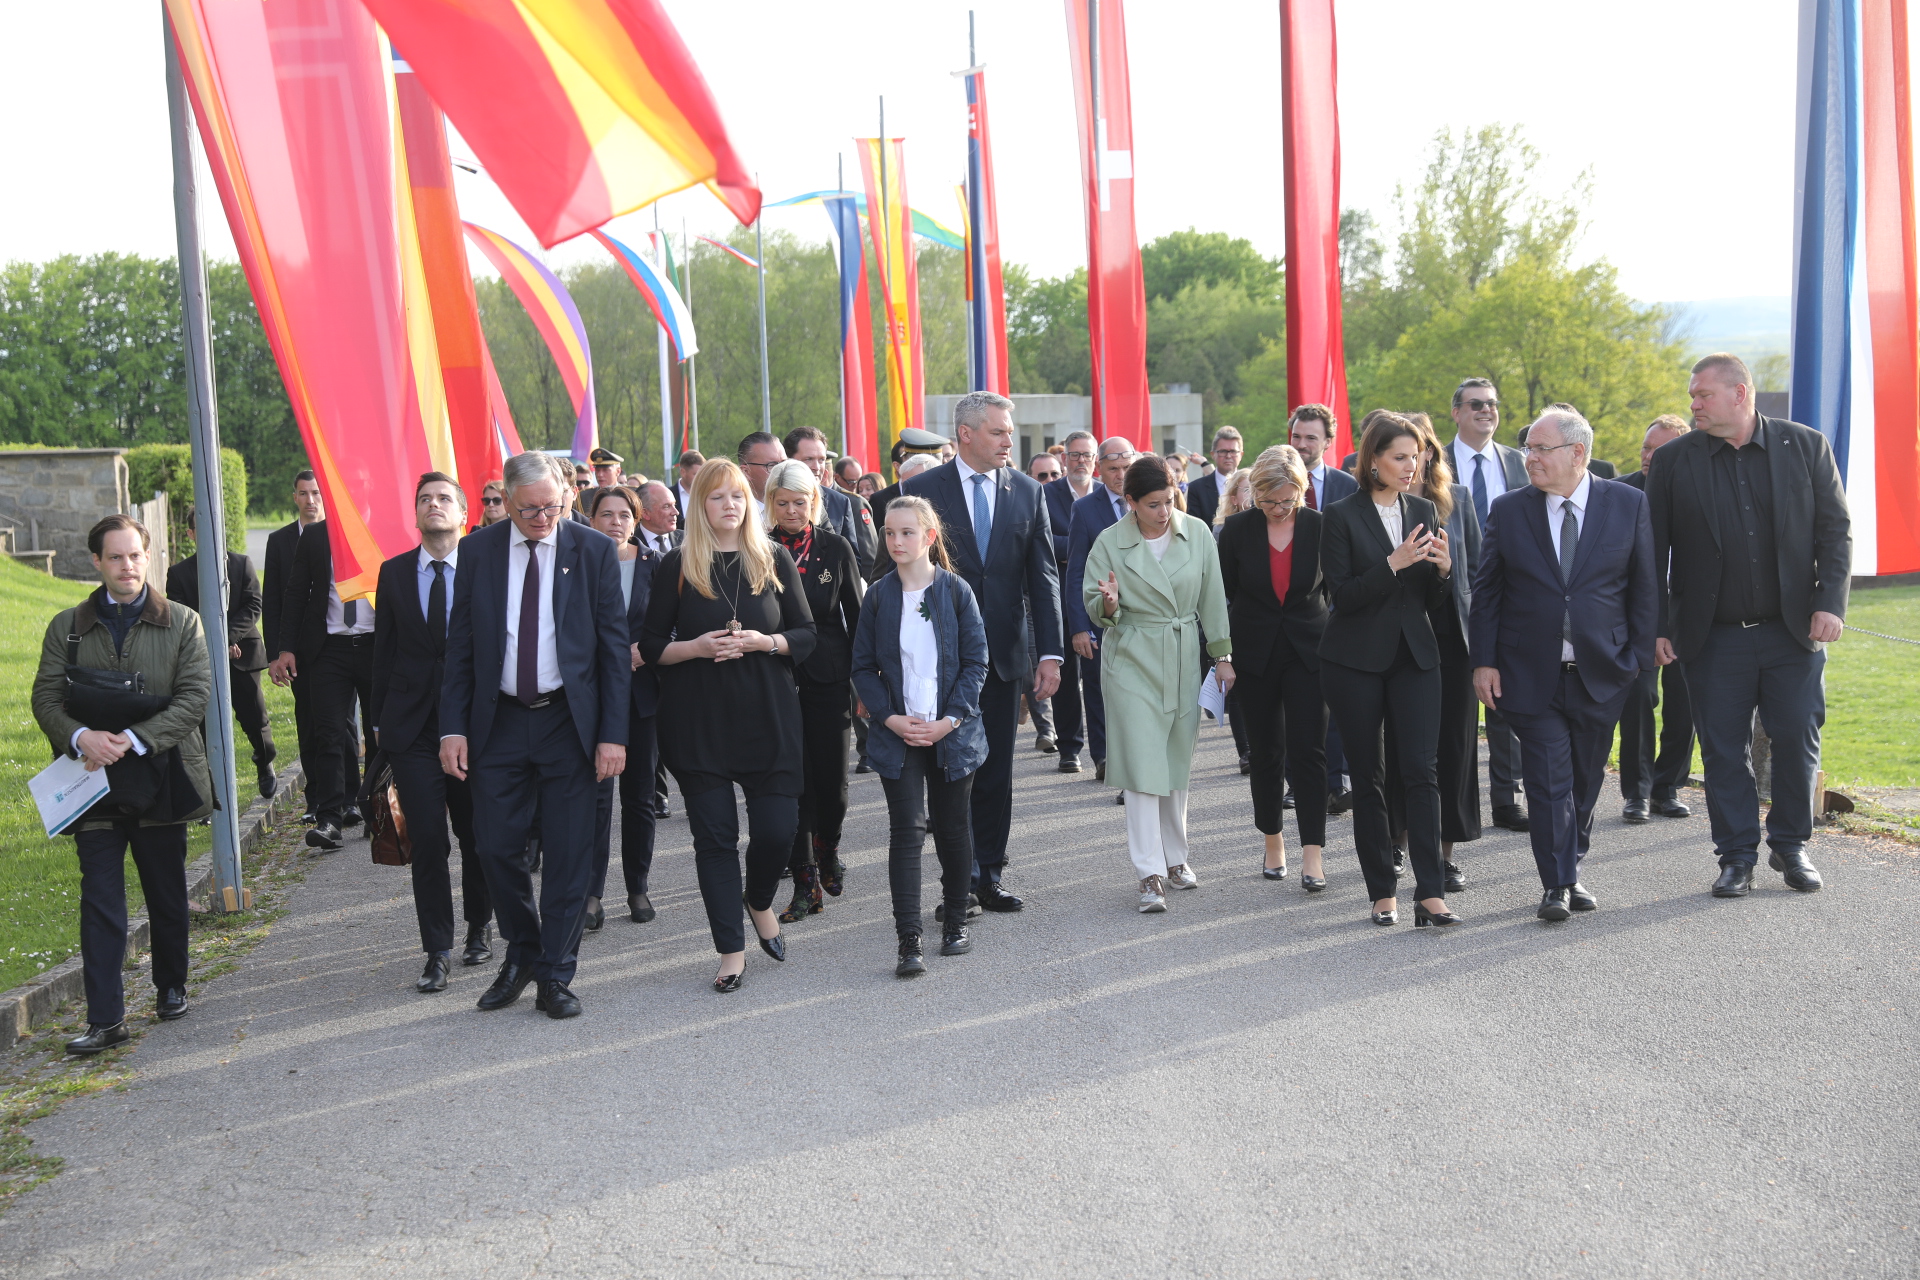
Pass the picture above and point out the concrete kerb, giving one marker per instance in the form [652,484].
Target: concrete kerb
[33,1002]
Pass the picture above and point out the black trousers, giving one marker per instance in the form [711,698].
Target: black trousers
[1069,710]
[1401,706]
[431,800]
[826,732]
[533,764]
[1336,757]
[250,709]
[922,791]
[1564,755]
[1644,773]
[1738,672]
[1286,725]
[716,856]
[992,800]
[304,728]
[1458,758]
[160,856]
[1503,761]
[343,672]
[1093,705]
[637,821]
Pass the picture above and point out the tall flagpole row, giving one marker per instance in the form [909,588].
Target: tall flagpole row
[766,387]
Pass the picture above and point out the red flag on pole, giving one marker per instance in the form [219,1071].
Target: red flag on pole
[1116,293]
[1310,121]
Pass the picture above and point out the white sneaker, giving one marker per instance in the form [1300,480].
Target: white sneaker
[1153,895]
[1182,877]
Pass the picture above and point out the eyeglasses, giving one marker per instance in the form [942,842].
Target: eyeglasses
[1478,405]
[493,502]
[764,466]
[536,513]
[1119,457]
[1278,508]
[1541,450]
[1080,454]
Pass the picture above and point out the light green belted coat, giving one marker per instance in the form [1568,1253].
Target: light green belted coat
[1150,670]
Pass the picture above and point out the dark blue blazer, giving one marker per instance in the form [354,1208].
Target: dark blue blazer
[1092,516]
[645,697]
[1060,499]
[1519,599]
[1021,578]
[590,628]
[1337,484]
[963,669]
[847,515]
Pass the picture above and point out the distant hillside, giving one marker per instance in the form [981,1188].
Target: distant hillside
[1744,326]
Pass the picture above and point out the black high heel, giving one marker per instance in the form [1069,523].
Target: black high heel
[1386,917]
[1273,873]
[1423,917]
[1312,884]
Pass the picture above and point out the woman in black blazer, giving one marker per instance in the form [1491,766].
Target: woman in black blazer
[831,576]
[1387,564]
[1277,599]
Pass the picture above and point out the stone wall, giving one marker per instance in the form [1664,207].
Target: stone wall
[56,495]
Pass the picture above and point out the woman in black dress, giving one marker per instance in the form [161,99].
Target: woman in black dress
[831,577]
[727,621]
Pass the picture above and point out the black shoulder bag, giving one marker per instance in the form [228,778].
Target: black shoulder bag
[154,785]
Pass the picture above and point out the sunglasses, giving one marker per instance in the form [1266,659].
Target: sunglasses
[1478,405]
[493,502]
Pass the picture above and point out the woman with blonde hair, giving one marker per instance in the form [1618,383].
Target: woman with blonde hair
[1238,497]
[831,577]
[493,503]
[725,626]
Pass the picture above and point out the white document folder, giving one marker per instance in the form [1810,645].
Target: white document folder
[65,790]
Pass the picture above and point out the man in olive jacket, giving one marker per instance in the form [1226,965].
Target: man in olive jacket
[128,625]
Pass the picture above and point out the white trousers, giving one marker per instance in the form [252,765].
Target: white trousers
[1156,832]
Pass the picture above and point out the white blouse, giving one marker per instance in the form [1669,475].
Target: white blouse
[1160,544]
[919,657]
[1390,517]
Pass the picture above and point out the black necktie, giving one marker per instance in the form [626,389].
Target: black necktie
[1569,543]
[437,608]
[527,665]
[349,614]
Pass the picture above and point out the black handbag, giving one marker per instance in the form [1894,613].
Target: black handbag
[151,786]
[110,701]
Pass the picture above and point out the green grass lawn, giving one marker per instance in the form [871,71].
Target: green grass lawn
[39,877]
[1873,694]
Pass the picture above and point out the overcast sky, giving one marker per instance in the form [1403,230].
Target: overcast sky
[1681,110]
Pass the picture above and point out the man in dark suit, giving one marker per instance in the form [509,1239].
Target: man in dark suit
[659,533]
[1595,466]
[1092,516]
[1751,527]
[1488,469]
[1205,495]
[246,652]
[534,706]
[1563,621]
[1310,431]
[688,465]
[1650,780]
[1001,541]
[416,591]
[1076,482]
[309,508]
[844,513]
[326,641]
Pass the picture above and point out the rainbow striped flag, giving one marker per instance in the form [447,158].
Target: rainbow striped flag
[551,308]
[883,165]
[656,287]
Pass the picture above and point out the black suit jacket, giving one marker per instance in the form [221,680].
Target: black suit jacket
[273,583]
[1602,468]
[1811,528]
[1259,620]
[1021,578]
[1374,607]
[882,563]
[1203,500]
[590,630]
[834,586]
[1060,499]
[408,663]
[847,515]
[1638,479]
[303,605]
[244,602]
[644,696]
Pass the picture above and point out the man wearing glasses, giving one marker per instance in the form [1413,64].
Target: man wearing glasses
[1488,470]
[1074,483]
[1205,495]
[758,454]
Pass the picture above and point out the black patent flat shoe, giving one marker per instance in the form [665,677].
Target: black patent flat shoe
[776,946]
[726,982]
[597,917]
[1273,873]
[1312,884]
[1385,917]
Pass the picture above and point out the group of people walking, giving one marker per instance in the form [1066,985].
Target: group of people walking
[525,676]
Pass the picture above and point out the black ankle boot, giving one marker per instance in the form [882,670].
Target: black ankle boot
[806,896]
[912,962]
[954,941]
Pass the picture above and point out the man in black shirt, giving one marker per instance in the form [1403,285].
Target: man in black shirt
[1751,528]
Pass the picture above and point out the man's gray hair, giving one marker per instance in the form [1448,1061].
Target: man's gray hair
[653,494]
[971,409]
[532,467]
[1227,433]
[914,463]
[1574,429]
[1079,435]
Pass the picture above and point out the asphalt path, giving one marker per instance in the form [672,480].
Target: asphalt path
[1256,1083]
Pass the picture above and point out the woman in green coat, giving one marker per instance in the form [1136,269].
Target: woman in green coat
[1152,585]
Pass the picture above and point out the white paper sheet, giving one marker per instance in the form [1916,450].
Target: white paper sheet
[65,790]
[1213,702]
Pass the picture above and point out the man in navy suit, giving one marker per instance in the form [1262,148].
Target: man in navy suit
[844,513]
[534,706]
[1205,495]
[1310,432]
[409,662]
[1092,516]
[1565,611]
[1000,540]
[1075,483]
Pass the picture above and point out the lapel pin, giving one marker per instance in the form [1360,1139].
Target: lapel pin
[566,568]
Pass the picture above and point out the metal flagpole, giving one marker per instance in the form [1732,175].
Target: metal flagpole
[693,376]
[666,370]
[210,536]
[846,436]
[766,387]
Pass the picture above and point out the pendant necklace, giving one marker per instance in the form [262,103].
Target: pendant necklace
[733,607]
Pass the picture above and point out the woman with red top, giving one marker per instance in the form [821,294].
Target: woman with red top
[1277,600]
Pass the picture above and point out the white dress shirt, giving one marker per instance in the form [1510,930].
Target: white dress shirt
[549,653]
[1556,506]
[659,542]
[337,615]
[1463,456]
[992,487]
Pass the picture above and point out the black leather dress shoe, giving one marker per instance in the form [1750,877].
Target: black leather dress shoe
[1099,770]
[263,775]
[1286,799]
[351,818]
[99,1038]
[506,988]
[479,945]
[596,915]
[1636,811]
[1580,898]
[325,837]
[1456,878]
[1246,764]
[1734,881]
[973,908]
[1555,904]
[434,976]
[1796,870]
[1671,807]
[1510,816]
[994,898]
[640,907]
[1069,764]
[1399,864]
[171,1004]
[1046,744]
[862,767]
[662,809]
[954,941]
[556,1001]
[1339,801]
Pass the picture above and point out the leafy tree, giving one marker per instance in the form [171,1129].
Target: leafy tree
[1047,348]
[1181,259]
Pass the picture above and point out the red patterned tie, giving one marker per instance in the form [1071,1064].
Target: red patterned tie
[1312,505]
